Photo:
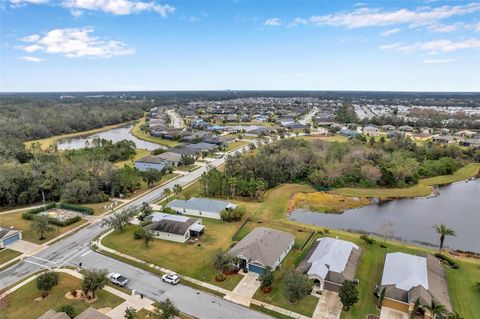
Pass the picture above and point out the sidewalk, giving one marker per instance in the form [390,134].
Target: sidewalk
[280,310]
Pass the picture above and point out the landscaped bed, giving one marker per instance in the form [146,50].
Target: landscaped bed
[190,260]
[22,303]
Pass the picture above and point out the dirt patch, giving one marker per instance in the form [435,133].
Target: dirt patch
[41,298]
[80,295]
[326,202]
[105,309]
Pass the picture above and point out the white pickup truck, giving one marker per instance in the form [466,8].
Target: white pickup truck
[117,279]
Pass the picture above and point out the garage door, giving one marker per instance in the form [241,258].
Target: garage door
[256,269]
[9,240]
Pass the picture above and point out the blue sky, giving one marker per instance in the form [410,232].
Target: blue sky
[94,45]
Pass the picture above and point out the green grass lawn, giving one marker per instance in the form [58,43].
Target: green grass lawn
[464,294]
[8,254]
[187,168]
[334,138]
[234,145]
[21,303]
[16,220]
[420,189]
[137,132]
[185,259]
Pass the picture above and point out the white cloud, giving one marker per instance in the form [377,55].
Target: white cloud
[445,28]
[273,22]
[75,43]
[367,17]
[434,46]
[439,61]
[118,7]
[477,27]
[31,59]
[390,32]
[21,2]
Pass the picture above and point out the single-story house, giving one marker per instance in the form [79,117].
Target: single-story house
[465,133]
[407,278]
[9,236]
[89,313]
[174,227]
[471,142]
[172,159]
[262,247]
[348,133]
[203,207]
[151,162]
[388,127]
[371,130]
[332,261]
[406,128]
[202,147]
[445,139]
[183,151]
[222,140]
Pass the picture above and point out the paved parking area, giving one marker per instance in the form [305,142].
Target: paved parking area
[244,291]
[23,246]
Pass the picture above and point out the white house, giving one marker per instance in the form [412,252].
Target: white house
[174,227]
[151,162]
[202,207]
[9,236]
[371,130]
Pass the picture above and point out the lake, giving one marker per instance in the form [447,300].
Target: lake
[115,135]
[457,206]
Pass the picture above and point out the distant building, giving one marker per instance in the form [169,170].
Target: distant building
[444,139]
[465,133]
[151,162]
[9,236]
[202,147]
[371,130]
[173,159]
[203,207]
[262,247]
[174,227]
[348,133]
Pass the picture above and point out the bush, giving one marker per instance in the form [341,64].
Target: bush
[232,215]
[138,233]
[447,260]
[64,223]
[68,309]
[29,214]
[368,240]
[77,208]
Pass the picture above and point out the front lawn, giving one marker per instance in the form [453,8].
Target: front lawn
[234,145]
[16,220]
[464,290]
[7,255]
[21,303]
[190,260]
[187,168]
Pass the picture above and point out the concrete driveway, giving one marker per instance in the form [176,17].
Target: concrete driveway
[389,313]
[328,307]
[23,246]
[244,291]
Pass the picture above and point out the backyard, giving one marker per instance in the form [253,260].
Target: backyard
[22,303]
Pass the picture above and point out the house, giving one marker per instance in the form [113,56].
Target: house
[173,159]
[407,278]
[262,247]
[331,262]
[9,236]
[184,151]
[348,133]
[89,313]
[371,130]
[388,128]
[284,121]
[465,133]
[202,147]
[475,143]
[151,162]
[204,207]
[444,139]
[295,126]
[220,140]
[174,227]
[422,136]
[405,129]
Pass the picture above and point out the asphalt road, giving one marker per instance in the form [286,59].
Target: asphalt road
[75,249]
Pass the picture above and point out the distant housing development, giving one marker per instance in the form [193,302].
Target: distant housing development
[204,207]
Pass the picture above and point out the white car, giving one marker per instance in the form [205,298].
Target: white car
[172,279]
[118,279]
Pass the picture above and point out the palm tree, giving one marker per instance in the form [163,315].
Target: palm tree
[443,231]
[436,309]
[167,192]
[177,189]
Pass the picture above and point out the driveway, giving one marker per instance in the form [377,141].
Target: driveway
[244,291]
[389,313]
[23,246]
[328,307]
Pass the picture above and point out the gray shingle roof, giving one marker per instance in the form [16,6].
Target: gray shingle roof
[201,204]
[172,226]
[152,159]
[263,245]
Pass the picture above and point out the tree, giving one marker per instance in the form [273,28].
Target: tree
[94,280]
[222,261]
[130,313]
[348,294]
[167,192]
[151,176]
[46,282]
[416,305]
[69,309]
[443,231]
[119,220]
[167,310]
[41,225]
[266,279]
[177,189]
[436,309]
[381,297]
[455,315]
[296,286]
[145,210]
[147,237]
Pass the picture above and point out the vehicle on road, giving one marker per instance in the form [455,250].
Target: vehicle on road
[172,279]
[117,279]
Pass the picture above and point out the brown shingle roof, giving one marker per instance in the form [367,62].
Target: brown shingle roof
[172,226]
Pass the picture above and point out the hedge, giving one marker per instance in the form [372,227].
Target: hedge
[77,208]
[447,260]
[64,223]
[29,214]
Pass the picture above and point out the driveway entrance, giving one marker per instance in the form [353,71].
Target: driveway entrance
[244,291]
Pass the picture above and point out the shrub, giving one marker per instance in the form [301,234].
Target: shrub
[65,222]
[68,309]
[232,215]
[368,240]
[29,214]
[138,233]
[447,260]
[81,209]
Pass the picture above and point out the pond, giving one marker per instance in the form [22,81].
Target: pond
[115,135]
[457,206]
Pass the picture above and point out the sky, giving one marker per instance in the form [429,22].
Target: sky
[133,45]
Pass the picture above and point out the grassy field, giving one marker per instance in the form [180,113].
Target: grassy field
[421,189]
[326,202]
[16,220]
[8,254]
[45,143]
[137,132]
[464,293]
[334,138]
[21,303]
[187,168]
[139,153]
[189,260]
[234,145]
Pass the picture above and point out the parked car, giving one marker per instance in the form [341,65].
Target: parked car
[118,279]
[172,279]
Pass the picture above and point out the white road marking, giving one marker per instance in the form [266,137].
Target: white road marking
[32,262]
[74,256]
[88,252]
[73,251]
[45,260]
